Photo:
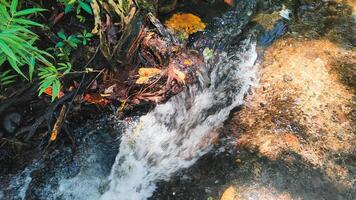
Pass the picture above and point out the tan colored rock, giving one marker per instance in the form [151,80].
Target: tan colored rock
[247,192]
[301,106]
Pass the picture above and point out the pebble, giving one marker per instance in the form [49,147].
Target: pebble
[287,78]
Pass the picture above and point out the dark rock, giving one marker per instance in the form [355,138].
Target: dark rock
[11,122]
[278,31]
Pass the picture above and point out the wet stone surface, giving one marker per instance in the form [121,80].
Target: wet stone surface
[253,177]
[43,177]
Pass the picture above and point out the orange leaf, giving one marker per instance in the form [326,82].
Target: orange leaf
[48,91]
[96,99]
[230,2]
[148,72]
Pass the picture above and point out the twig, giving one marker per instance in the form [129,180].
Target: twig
[58,124]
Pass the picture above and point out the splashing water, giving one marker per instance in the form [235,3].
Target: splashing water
[175,134]
[169,138]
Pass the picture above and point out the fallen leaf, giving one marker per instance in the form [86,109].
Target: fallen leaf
[146,73]
[180,75]
[186,23]
[96,99]
[142,80]
[229,194]
[187,62]
[48,91]
[208,53]
[110,89]
[230,2]
[149,72]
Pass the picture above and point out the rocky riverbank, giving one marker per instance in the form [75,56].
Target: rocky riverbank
[294,138]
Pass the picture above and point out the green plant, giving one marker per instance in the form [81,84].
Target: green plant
[70,42]
[65,46]
[78,5]
[17,40]
[50,77]
[85,37]
[17,47]
[6,78]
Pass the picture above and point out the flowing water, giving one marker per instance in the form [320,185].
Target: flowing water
[174,135]
[169,138]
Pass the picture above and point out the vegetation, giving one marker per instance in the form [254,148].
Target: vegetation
[18,47]
[17,42]
[80,52]
[78,6]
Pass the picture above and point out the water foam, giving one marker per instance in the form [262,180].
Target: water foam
[175,134]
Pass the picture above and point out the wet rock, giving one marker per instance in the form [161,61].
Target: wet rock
[267,20]
[11,122]
[331,19]
[278,30]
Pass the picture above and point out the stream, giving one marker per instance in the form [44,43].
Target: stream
[128,159]
[171,137]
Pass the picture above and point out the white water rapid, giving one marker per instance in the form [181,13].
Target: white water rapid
[175,134]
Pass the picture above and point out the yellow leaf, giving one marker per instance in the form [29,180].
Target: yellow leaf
[142,80]
[122,106]
[187,62]
[185,22]
[146,74]
[229,194]
[96,12]
[180,75]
